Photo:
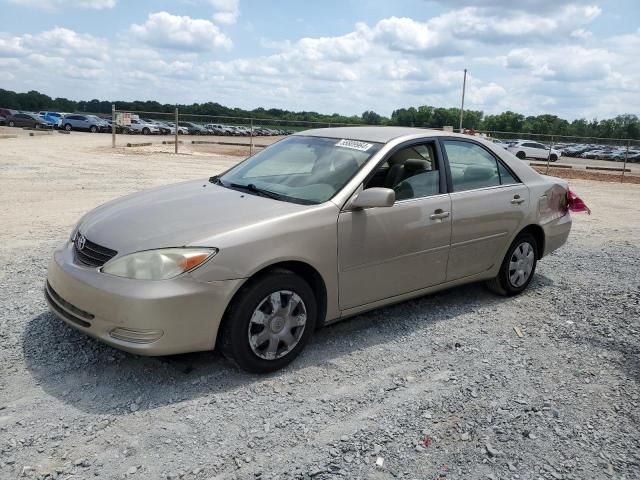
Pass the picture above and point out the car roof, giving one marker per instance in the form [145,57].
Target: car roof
[375,134]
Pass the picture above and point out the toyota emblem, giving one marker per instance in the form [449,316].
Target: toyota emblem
[80,242]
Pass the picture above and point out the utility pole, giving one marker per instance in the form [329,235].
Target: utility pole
[176,131]
[464,86]
[113,125]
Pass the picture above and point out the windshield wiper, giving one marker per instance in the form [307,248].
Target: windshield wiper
[252,188]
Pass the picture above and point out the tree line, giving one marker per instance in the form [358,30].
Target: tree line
[621,126]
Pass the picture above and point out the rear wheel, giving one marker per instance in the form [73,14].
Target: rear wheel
[518,267]
[12,123]
[553,157]
[269,322]
[36,125]
[521,155]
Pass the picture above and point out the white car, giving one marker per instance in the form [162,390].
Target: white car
[140,126]
[181,130]
[528,149]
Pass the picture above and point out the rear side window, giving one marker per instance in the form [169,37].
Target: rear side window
[474,167]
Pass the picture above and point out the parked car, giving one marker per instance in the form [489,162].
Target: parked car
[140,126]
[53,118]
[7,112]
[193,128]
[318,227]
[30,120]
[91,123]
[181,130]
[162,127]
[528,149]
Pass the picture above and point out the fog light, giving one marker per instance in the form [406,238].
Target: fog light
[136,336]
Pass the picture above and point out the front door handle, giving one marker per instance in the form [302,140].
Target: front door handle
[439,214]
[517,200]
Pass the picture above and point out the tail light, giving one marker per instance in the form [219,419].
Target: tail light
[575,203]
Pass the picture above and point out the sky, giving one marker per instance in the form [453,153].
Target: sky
[574,59]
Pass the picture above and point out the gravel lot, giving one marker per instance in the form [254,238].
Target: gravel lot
[439,387]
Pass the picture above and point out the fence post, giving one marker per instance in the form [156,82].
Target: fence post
[176,132]
[251,140]
[626,157]
[113,125]
[549,155]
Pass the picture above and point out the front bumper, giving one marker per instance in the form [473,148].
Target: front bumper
[145,317]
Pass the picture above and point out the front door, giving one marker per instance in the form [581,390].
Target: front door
[384,252]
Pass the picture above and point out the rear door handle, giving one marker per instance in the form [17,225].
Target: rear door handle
[517,200]
[439,214]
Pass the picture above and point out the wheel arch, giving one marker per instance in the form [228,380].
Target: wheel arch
[538,234]
[300,268]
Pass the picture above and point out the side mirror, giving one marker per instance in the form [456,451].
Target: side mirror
[374,197]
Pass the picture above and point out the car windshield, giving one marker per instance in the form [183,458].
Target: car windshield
[301,169]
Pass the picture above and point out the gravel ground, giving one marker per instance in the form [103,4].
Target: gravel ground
[439,387]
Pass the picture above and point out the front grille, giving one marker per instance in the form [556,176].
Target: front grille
[67,310]
[91,254]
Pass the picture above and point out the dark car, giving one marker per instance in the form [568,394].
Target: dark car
[193,128]
[31,120]
[5,112]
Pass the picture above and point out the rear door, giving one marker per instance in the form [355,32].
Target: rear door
[488,206]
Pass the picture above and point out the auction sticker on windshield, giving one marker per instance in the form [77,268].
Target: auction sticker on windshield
[354,144]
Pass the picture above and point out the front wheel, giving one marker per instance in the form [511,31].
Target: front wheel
[67,127]
[518,267]
[93,129]
[553,158]
[146,131]
[12,123]
[269,322]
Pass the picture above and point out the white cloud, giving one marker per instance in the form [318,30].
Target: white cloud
[227,11]
[56,4]
[182,33]
[522,59]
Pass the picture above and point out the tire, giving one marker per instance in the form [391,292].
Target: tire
[12,123]
[521,155]
[67,127]
[145,131]
[36,125]
[179,132]
[93,129]
[553,158]
[240,335]
[508,283]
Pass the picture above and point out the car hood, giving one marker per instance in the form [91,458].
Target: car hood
[190,213]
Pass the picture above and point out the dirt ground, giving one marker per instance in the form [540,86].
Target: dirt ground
[434,388]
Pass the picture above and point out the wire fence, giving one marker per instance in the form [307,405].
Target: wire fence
[595,154]
[178,129]
[172,132]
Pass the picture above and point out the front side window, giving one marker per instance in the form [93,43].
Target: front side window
[301,169]
[412,172]
[474,167]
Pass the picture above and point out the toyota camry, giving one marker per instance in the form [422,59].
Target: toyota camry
[318,227]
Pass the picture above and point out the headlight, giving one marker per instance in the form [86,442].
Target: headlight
[159,264]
